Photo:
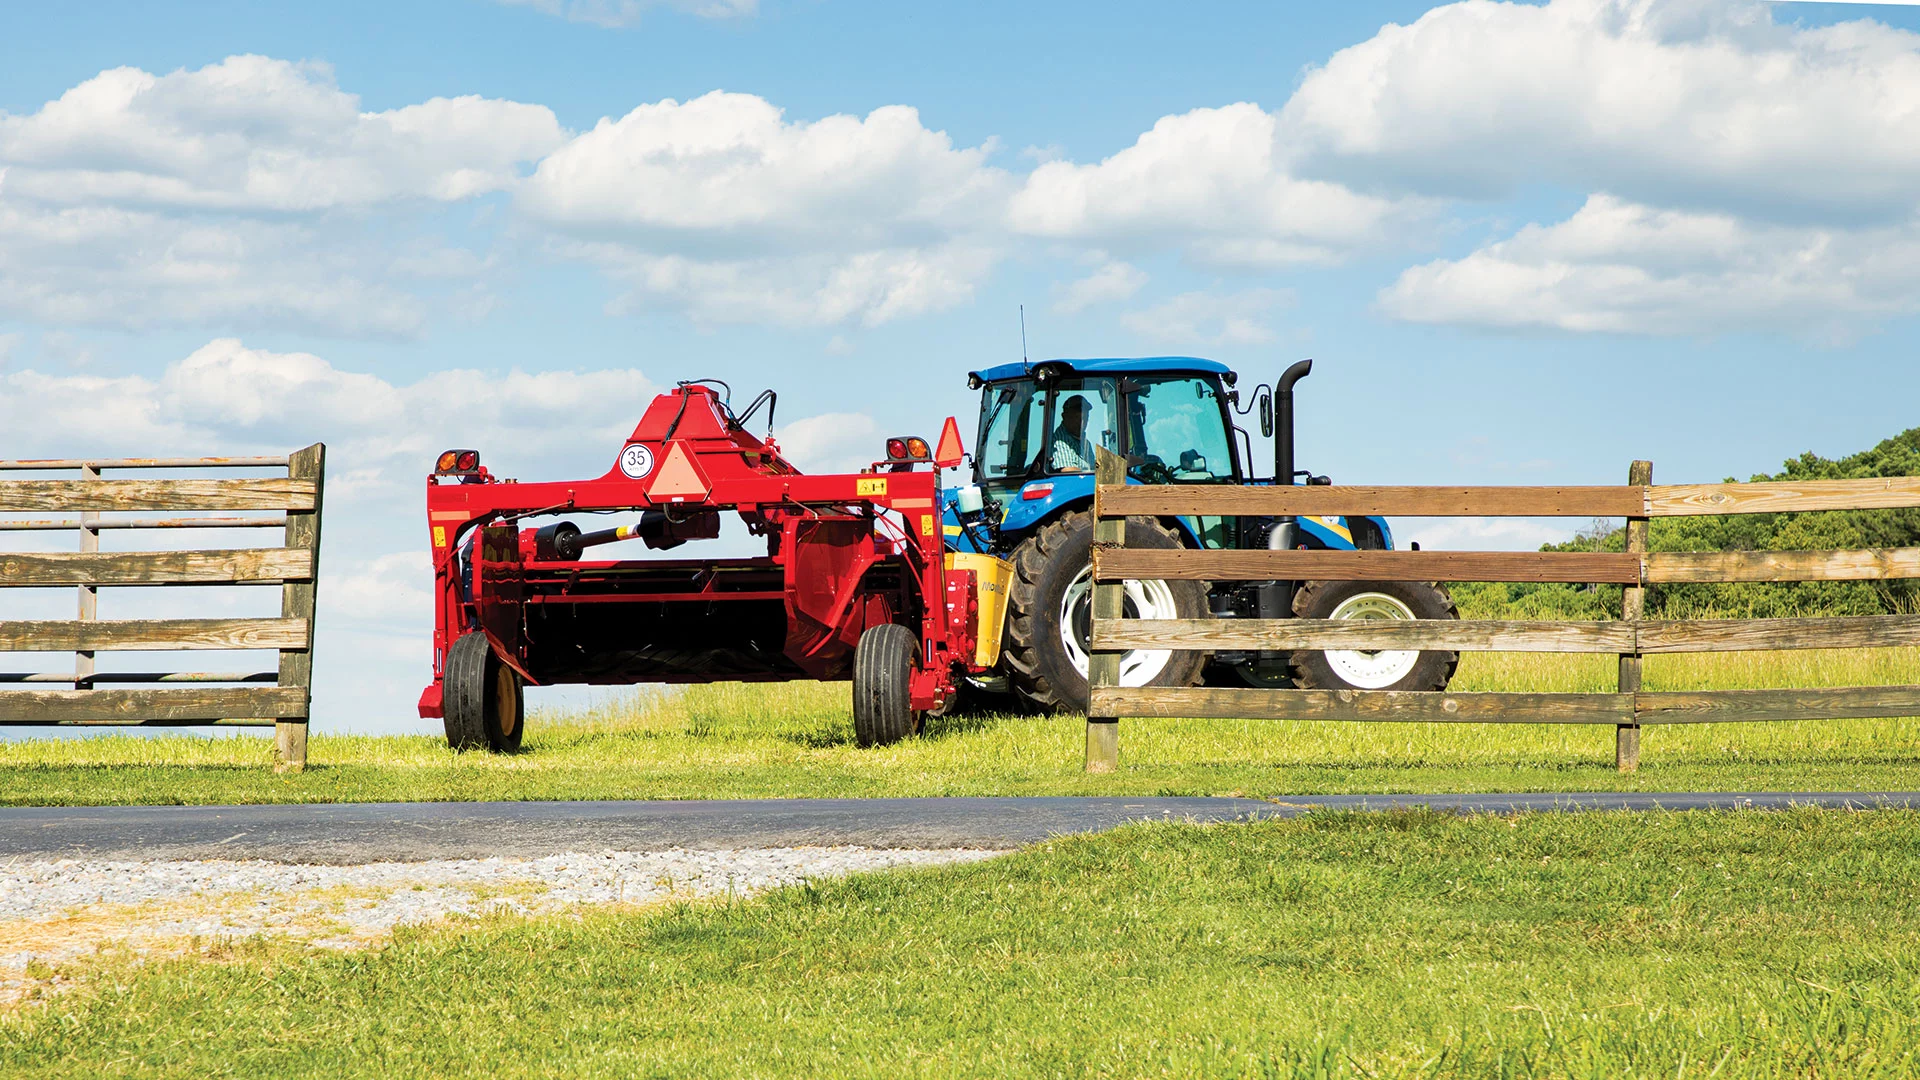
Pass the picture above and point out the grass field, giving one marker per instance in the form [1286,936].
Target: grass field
[1598,945]
[743,740]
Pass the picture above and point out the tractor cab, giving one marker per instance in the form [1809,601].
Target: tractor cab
[1040,424]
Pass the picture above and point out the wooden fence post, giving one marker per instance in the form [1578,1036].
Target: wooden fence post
[297,602]
[1109,601]
[83,660]
[1633,606]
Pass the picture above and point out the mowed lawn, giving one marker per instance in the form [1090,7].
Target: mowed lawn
[740,740]
[1742,944]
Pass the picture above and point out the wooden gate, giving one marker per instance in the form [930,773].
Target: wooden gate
[184,503]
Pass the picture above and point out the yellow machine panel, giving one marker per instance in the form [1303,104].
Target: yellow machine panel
[993,576]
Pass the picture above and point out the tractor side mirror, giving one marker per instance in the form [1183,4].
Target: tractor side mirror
[1266,416]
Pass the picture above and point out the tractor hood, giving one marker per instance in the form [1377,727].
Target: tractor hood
[1105,365]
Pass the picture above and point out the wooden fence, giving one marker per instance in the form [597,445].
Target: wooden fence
[1630,637]
[293,566]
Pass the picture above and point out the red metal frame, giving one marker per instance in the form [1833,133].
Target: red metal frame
[845,552]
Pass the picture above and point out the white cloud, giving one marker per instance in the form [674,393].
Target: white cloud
[615,14]
[1619,267]
[833,442]
[721,207]
[1697,104]
[1209,318]
[1483,534]
[1209,183]
[112,266]
[226,398]
[1112,282]
[252,133]
[868,287]
[386,588]
[252,192]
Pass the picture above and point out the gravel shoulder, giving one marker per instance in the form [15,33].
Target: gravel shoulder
[56,912]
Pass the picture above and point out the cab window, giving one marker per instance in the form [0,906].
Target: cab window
[1177,431]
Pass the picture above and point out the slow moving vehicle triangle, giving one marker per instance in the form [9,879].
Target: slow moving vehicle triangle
[679,478]
[951,450]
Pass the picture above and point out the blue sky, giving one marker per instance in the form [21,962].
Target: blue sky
[1525,243]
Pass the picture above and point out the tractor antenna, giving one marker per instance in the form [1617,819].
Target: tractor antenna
[1023,333]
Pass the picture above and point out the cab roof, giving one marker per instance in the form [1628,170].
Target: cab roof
[1107,365]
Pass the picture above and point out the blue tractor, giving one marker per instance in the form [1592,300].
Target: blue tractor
[1172,419]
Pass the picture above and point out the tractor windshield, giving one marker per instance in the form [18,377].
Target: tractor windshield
[1177,431]
[1028,430]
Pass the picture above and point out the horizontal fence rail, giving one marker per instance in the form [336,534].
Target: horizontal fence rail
[177,698]
[1628,501]
[1464,635]
[1582,567]
[1629,638]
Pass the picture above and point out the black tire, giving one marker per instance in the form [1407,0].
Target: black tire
[483,704]
[1044,568]
[1431,670]
[882,668]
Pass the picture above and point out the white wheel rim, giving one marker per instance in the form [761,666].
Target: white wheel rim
[1371,670]
[1144,600]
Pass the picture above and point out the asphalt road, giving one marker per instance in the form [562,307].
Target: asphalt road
[348,833]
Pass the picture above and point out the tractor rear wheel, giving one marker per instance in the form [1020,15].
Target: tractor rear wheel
[882,701]
[1384,669]
[483,703]
[1050,610]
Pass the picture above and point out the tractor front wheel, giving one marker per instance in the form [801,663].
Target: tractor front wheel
[1353,669]
[882,669]
[484,705]
[1050,612]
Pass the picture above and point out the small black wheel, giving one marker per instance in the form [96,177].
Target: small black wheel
[482,700]
[882,668]
[1378,670]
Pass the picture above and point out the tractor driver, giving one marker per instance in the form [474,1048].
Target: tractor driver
[1071,451]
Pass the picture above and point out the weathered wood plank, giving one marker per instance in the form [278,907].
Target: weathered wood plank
[1751,635]
[1443,634]
[1109,602]
[1651,636]
[1832,703]
[1871,564]
[1572,566]
[119,635]
[259,493]
[297,600]
[1879,493]
[1626,738]
[1399,706]
[1227,501]
[62,706]
[240,566]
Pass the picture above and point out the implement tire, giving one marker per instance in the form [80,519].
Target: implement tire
[1382,670]
[882,671]
[1051,590]
[484,706]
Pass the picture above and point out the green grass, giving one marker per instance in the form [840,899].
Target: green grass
[759,740]
[1748,944]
